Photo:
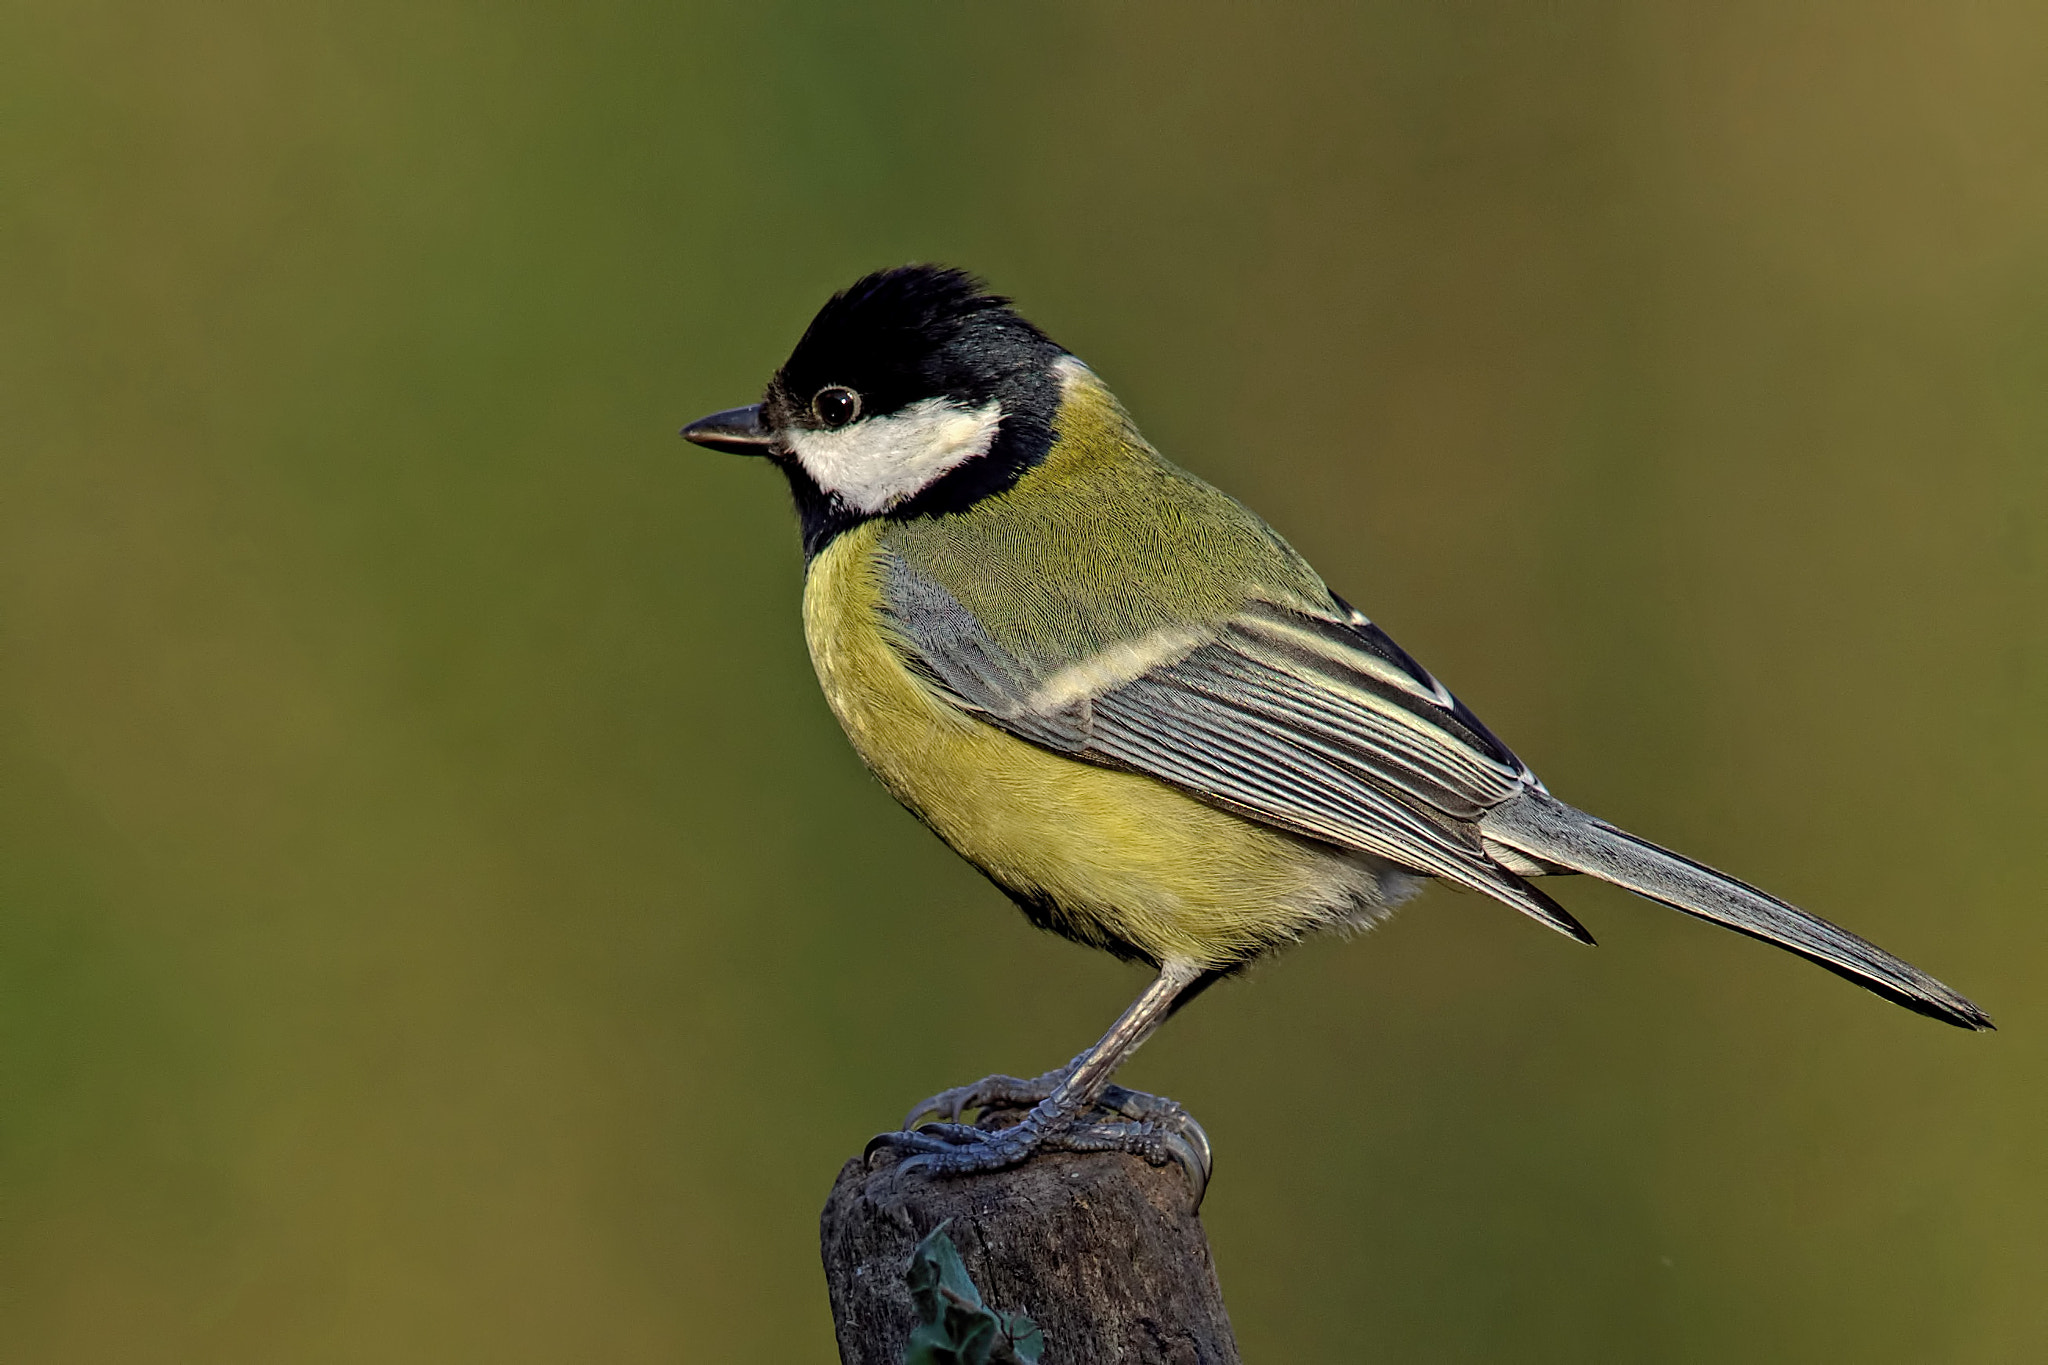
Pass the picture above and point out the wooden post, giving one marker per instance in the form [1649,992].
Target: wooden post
[1104,1252]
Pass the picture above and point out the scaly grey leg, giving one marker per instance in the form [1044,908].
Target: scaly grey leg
[1062,1101]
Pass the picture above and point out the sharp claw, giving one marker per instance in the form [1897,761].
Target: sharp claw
[1198,1136]
[905,1142]
[934,1105]
[946,1106]
[882,1142]
[1190,1150]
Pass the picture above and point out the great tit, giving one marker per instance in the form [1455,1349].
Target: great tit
[1128,702]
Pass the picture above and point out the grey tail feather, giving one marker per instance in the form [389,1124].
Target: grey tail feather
[1546,912]
[1548,830]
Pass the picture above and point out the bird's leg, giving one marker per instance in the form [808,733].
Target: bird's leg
[1065,1107]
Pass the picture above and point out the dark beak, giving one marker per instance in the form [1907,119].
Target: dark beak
[737,431]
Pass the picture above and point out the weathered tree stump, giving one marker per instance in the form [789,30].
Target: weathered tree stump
[1104,1252]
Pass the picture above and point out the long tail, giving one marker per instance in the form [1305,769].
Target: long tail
[1551,832]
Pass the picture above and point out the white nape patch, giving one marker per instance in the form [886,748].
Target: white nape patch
[877,462]
[1126,661]
[1073,370]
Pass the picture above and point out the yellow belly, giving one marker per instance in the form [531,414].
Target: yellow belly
[1109,858]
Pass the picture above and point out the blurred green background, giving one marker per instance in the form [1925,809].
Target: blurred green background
[439,920]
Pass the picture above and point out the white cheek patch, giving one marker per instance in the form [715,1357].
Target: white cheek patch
[879,461]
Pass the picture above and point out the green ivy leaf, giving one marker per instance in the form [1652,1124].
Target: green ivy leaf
[954,1327]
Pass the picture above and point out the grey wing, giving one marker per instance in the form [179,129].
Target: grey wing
[1316,724]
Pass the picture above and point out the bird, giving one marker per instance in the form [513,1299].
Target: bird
[1128,702]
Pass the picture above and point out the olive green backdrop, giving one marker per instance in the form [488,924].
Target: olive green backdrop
[439,921]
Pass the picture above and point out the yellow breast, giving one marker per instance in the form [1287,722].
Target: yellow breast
[1109,858]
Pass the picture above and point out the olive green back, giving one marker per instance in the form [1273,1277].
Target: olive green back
[1104,541]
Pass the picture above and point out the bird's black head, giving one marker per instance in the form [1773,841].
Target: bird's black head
[914,392]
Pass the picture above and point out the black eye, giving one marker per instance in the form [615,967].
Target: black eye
[835,406]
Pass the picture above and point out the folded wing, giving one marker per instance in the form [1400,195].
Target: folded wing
[1317,724]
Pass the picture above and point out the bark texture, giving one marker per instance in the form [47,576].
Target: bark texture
[1102,1250]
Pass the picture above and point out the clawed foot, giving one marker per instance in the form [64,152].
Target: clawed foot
[990,1092]
[1008,1092]
[1147,1126]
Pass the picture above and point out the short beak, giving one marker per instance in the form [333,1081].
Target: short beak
[737,431]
